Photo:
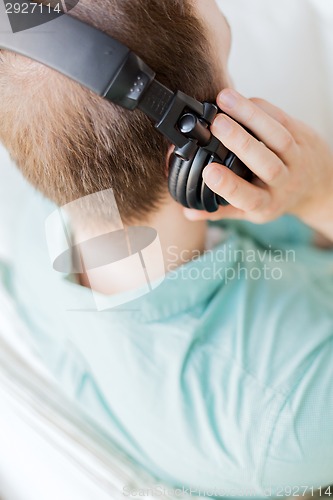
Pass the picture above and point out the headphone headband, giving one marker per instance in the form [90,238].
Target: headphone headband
[78,51]
[102,64]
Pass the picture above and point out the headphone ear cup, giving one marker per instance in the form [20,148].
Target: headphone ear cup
[186,184]
[178,176]
[199,196]
[195,181]
[209,199]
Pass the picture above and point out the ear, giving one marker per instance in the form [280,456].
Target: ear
[168,156]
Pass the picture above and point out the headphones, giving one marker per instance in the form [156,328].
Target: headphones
[108,68]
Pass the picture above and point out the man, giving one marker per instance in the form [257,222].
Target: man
[220,379]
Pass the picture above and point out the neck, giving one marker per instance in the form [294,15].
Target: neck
[179,239]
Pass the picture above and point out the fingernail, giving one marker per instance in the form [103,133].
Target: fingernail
[212,176]
[222,124]
[228,98]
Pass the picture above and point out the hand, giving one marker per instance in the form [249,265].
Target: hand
[293,166]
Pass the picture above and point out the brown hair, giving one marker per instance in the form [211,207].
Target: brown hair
[69,142]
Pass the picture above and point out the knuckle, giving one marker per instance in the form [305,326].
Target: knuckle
[251,114]
[245,142]
[273,171]
[232,188]
[283,119]
[287,143]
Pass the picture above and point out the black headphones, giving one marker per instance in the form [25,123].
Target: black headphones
[111,70]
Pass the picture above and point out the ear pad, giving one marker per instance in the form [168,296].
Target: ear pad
[186,185]
[178,174]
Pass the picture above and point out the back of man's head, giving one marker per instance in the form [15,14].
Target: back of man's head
[69,142]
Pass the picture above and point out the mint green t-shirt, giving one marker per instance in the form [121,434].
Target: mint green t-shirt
[216,381]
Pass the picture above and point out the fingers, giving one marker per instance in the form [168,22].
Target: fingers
[239,193]
[279,115]
[270,153]
[265,127]
[263,162]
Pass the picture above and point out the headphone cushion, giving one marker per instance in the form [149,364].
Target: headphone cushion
[178,176]
[186,184]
